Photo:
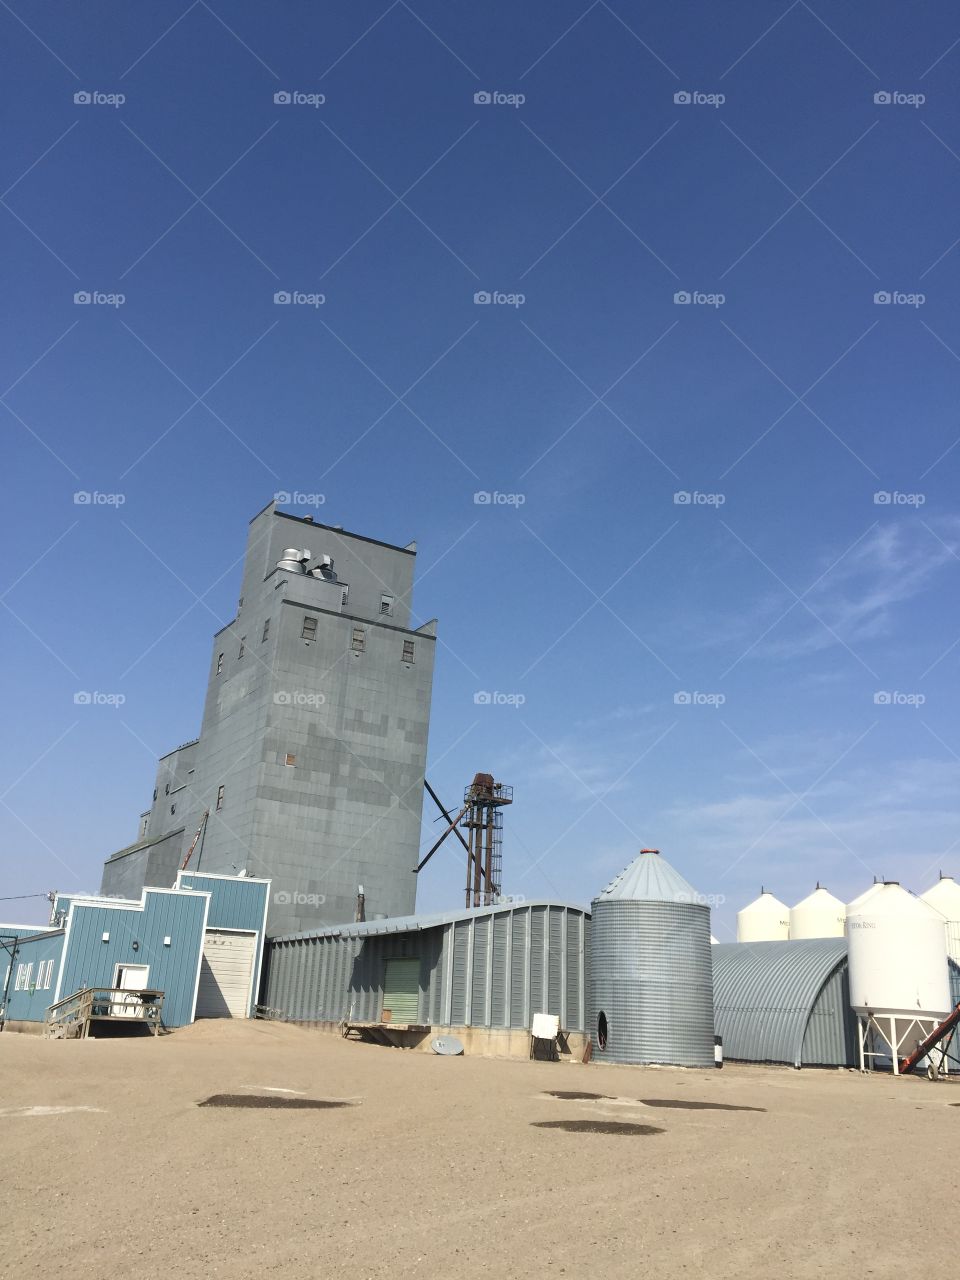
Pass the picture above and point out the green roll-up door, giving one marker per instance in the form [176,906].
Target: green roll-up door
[401,990]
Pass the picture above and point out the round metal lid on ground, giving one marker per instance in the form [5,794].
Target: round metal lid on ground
[446,1046]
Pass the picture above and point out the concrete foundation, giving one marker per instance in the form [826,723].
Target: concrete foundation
[478,1042]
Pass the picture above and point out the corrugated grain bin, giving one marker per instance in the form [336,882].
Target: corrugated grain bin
[651,974]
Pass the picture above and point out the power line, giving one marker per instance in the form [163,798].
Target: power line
[18,897]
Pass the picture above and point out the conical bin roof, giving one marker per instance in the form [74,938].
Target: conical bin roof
[649,878]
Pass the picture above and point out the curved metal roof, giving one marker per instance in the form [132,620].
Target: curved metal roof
[764,992]
[649,878]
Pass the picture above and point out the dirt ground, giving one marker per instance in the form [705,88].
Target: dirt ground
[457,1166]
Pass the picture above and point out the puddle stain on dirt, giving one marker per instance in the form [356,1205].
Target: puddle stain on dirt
[273,1102]
[622,1127]
[577,1095]
[682,1104]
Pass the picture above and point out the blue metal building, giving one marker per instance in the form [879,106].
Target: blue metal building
[201,943]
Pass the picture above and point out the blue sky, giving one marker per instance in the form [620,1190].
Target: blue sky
[784,598]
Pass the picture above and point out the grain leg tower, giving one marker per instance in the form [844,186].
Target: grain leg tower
[311,756]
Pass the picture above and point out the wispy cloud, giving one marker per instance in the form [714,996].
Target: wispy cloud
[855,601]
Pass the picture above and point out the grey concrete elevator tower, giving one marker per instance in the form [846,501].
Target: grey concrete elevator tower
[311,756]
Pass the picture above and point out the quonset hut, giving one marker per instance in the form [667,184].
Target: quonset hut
[651,975]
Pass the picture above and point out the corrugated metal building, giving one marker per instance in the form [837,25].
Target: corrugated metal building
[785,1002]
[490,967]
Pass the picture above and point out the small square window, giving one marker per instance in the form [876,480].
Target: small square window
[266,630]
[309,629]
[243,647]
[219,797]
[359,640]
[386,603]
[219,663]
[409,648]
[344,596]
[290,760]
[173,808]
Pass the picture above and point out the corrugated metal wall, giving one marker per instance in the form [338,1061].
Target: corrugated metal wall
[830,1039]
[651,975]
[785,1002]
[494,969]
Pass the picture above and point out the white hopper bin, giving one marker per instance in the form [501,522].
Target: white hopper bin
[818,915]
[899,983]
[766,919]
[944,897]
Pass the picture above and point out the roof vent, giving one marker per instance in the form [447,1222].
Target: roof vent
[290,560]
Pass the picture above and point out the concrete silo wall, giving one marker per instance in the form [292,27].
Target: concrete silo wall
[651,975]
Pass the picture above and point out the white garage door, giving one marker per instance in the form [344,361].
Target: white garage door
[226,972]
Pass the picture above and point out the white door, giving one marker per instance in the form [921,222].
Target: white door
[130,977]
[226,972]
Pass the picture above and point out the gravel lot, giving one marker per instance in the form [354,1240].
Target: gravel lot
[454,1167]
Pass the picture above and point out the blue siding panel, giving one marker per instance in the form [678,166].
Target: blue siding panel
[31,1005]
[91,962]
